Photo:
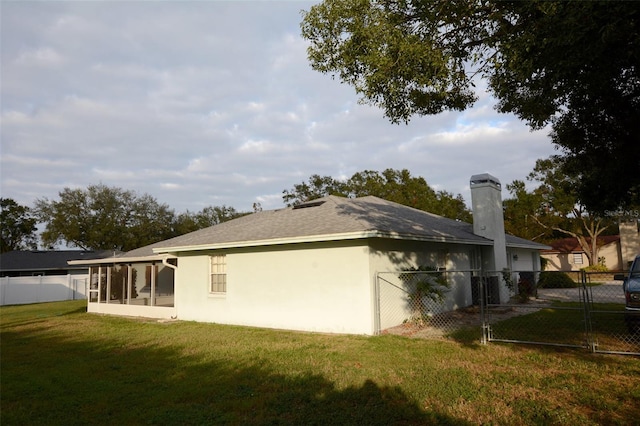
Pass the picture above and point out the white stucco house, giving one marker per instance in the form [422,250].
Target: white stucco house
[312,267]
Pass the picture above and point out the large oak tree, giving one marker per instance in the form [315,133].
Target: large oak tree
[208,216]
[398,186]
[110,218]
[17,225]
[572,64]
[104,218]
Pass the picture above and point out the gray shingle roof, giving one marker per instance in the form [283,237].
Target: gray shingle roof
[326,219]
[46,260]
[513,241]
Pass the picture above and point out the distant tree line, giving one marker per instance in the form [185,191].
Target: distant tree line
[101,218]
[398,186]
[18,226]
[108,218]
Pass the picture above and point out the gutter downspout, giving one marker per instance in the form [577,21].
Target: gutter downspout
[165,262]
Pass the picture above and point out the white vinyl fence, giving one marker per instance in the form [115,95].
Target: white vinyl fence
[45,288]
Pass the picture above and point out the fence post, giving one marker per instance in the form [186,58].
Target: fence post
[376,307]
[483,313]
[70,295]
[4,284]
[586,304]
[39,291]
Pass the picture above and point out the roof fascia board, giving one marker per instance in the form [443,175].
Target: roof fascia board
[318,238]
[119,260]
[529,246]
[56,268]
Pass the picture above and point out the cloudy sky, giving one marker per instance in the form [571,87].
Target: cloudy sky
[211,103]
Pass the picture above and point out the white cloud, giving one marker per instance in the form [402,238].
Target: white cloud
[34,162]
[44,57]
[256,147]
[171,186]
[220,106]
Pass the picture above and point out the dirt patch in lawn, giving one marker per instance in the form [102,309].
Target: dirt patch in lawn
[440,325]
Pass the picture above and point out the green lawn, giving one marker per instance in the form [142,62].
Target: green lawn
[61,365]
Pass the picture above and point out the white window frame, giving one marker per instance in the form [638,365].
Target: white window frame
[577,259]
[218,274]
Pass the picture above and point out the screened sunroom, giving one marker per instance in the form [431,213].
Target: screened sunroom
[133,286]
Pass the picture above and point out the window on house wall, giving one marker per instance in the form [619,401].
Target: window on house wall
[577,258]
[218,280]
[475,259]
[443,259]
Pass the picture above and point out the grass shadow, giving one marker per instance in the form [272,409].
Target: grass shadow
[470,336]
[49,377]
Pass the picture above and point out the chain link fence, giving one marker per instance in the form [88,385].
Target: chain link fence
[427,303]
[578,309]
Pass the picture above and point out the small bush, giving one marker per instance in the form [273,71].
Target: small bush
[525,286]
[555,279]
[595,268]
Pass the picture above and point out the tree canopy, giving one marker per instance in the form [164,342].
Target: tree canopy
[394,185]
[110,218]
[572,64]
[212,215]
[552,209]
[17,225]
[104,218]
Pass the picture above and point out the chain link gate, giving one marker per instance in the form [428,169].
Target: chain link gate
[582,310]
[588,314]
[610,331]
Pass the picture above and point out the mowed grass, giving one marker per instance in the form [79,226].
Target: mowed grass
[63,366]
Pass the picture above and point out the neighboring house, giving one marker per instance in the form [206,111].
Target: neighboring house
[566,254]
[629,241]
[25,263]
[311,267]
[615,251]
[44,276]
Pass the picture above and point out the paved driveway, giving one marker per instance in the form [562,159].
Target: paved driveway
[610,292]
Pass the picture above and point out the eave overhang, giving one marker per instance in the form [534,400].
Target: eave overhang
[322,238]
[122,260]
[528,246]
